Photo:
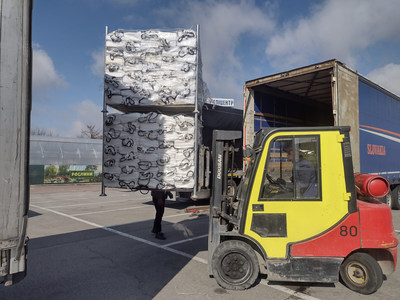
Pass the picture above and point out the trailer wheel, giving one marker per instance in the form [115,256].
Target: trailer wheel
[361,273]
[235,265]
[396,198]
[387,199]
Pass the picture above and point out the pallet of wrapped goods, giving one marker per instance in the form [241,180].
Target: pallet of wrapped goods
[153,67]
[149,151]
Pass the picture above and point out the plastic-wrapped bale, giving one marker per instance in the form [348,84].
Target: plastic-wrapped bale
[152,68]
[149,151]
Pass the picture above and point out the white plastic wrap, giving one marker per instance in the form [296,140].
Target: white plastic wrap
[149,151]
[152,68]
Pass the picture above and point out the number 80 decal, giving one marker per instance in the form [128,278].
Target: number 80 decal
[345,231]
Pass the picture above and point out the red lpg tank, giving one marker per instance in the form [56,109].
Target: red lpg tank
[371,185]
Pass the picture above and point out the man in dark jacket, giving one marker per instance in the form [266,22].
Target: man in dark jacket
[305,174]
[159,197]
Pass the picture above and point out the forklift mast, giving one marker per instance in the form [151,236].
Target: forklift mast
[223,152]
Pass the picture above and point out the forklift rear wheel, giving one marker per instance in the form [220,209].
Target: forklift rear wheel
[360,272]
[396,198]
[235,265]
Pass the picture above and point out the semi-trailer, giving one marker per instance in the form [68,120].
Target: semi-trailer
[330,93]
[15,105]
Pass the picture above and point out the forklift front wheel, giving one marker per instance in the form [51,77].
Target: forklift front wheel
[235,265]
[360,272]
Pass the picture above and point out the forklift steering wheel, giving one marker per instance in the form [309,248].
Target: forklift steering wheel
[275,182]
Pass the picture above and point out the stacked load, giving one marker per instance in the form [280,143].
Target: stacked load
[149,151]
[152,68]
[154,79]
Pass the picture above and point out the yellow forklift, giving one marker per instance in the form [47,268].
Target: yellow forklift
[296,215]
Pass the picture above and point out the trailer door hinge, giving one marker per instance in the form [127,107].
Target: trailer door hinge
[340,138]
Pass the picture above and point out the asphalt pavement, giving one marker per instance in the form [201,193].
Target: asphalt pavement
[86,246]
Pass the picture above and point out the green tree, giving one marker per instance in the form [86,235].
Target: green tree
[63,170]
[50,171]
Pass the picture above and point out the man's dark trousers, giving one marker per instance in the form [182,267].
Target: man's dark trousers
[159,214]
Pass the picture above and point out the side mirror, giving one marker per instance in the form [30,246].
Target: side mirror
[248,152]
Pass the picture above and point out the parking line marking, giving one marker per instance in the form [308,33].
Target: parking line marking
[91,203]
[119,209]
[111,210]
[186,240]
[166,247]
[39,200]
[132,237]
[288,291]
[33,200]
[177,215]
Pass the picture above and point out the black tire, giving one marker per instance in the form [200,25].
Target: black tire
[235,265]
[387,199]
[396,198]
[360,272]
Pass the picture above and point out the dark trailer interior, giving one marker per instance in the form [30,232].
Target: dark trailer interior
[301,97]
[330,94]
[322,94]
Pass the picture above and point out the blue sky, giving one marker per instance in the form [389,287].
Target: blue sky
[240,41]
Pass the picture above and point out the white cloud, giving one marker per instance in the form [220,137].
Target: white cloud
[97,66]
[45,76]
[388,77]
[335,29]
[88,113]
[223,23]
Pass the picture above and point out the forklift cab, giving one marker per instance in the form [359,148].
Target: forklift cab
[298,188]
[295,216]
[292,169]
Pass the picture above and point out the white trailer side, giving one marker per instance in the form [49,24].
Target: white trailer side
[15,106]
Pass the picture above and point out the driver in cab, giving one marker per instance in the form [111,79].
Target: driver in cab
[304,174]
[303,177]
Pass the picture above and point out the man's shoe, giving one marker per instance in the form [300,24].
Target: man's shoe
[160,236]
